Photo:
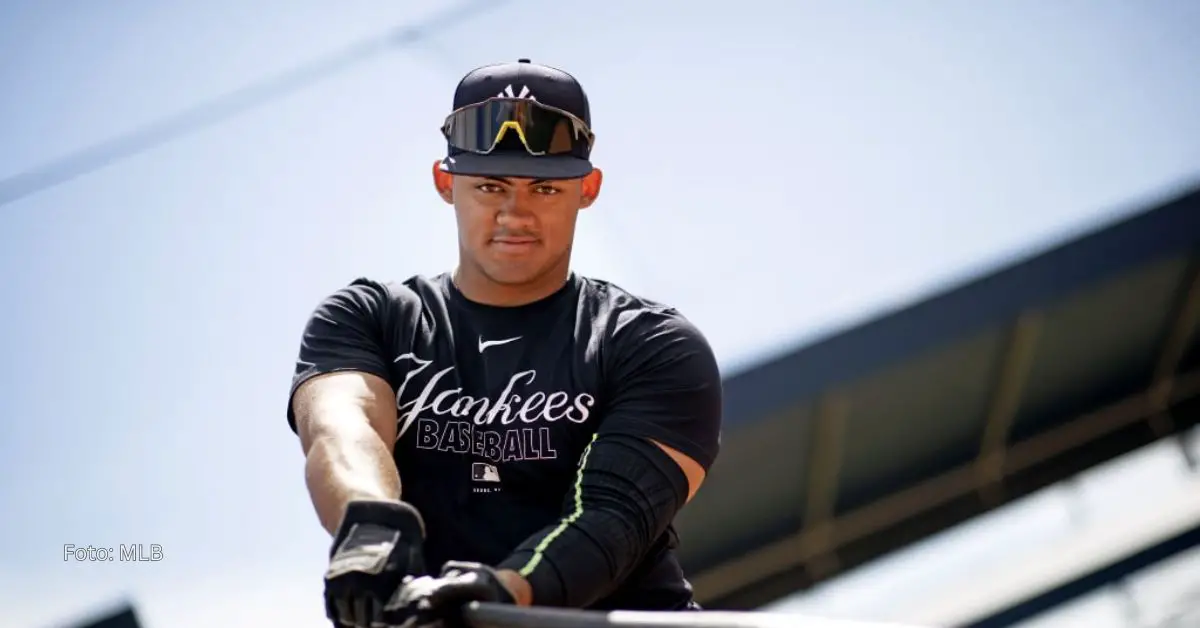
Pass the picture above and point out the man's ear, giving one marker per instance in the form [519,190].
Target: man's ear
[591,188]
[444,182]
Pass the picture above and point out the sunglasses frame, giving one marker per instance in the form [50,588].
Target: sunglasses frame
[578,126]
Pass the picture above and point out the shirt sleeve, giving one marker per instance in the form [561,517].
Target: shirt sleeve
[665,385]
[346,332]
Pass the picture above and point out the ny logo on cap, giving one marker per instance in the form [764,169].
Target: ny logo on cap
[524,93]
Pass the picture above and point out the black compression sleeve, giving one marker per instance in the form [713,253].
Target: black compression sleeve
[625,495]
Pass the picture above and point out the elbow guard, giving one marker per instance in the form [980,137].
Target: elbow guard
[626,493]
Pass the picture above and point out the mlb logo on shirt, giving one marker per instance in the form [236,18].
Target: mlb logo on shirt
[483,472]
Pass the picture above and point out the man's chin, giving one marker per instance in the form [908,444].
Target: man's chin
[513,273]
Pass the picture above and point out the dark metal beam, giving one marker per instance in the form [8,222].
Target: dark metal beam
[1006,401]
[1183,319]
[825,466]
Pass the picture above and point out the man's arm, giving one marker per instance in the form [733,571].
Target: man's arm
[347,425]
[520,588]
[648,459]
[693,470]
[342,406]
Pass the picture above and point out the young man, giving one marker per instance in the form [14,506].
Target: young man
[547,427]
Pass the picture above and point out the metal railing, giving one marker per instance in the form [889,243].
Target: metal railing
[480,615]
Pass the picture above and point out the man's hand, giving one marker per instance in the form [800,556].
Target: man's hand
[428,601]
[376,546]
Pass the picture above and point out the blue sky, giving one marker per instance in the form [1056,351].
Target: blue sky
[776,170]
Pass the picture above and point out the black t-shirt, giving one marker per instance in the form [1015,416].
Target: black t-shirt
[496,404]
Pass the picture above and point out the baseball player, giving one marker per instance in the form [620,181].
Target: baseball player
[511,431]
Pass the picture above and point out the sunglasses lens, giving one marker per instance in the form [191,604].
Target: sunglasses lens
[545,131]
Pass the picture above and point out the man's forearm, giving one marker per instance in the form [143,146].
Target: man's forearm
[625,497]
[353,463]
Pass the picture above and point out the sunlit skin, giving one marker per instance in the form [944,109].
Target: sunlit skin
[514,235]
[514,242]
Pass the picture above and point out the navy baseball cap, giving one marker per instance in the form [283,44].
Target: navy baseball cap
[545,86]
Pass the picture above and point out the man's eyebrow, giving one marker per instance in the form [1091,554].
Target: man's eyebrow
[508,181]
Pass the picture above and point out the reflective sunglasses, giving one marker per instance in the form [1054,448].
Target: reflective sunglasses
[543,130]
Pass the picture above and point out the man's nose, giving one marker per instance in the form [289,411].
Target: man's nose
[512,210]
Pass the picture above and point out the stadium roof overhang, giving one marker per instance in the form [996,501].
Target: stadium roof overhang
[885,434]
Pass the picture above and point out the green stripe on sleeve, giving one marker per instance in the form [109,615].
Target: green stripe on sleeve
[572,518]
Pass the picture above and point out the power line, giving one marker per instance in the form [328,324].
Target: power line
[228,105]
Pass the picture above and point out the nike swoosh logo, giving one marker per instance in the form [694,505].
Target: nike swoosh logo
[484,344]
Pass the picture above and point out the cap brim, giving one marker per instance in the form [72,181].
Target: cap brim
[521,165]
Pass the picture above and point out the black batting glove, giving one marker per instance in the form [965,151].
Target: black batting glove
[376,546]
[427,602]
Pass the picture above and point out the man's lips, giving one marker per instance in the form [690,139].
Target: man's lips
[513,244]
